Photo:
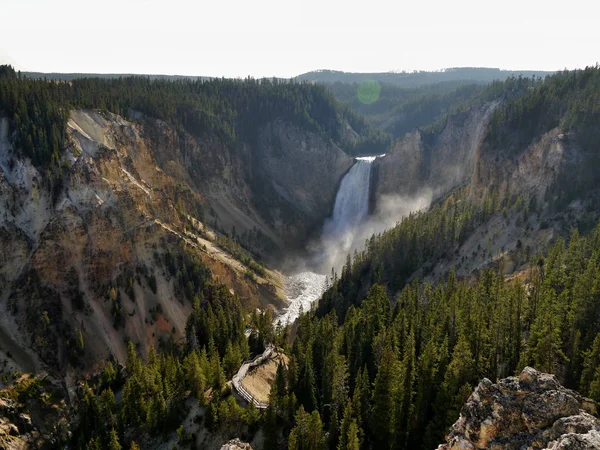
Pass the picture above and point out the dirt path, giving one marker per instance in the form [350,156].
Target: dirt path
[210,248]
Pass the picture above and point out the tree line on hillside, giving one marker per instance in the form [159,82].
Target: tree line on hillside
[384,372]
[227,110]
[399,110]
[427,107]
[569,100]
[530,106]
[417,78]
[386,360]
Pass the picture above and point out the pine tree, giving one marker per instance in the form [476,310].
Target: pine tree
[428,368]
[307,433]
[195,376]
[113,443]
[361,398]
[404,398]
[278,390]
[108,405]
[544,347]
[345,430]
[217,377]
[270,429]
[93,444]
[384,392]
[307,386]
[590,377]
[453,391]
[232,359]
[352,438]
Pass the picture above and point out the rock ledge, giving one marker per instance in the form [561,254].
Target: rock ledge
[531,411]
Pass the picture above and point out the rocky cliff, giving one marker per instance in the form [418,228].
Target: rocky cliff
[281,186]
[534,172]
[526,412]
[437,160]
[107,253]
[531,189]
[304,171]
[34,413]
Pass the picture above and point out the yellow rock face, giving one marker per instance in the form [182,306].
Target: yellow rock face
[126,202]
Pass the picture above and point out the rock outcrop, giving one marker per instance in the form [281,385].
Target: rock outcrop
[283,184]
[531,411]
[236,444]
[34,413]
[529,173]
[303,172]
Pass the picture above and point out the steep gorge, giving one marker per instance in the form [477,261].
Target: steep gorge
[108,256]
[134,189]
[342,233]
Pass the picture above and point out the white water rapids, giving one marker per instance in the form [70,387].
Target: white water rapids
[350,210]
[301,290]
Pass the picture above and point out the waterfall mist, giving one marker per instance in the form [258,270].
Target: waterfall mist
[351,225]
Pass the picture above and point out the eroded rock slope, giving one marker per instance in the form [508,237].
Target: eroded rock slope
[115,249]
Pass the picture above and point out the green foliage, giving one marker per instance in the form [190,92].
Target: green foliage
[308,432]
[398,110]
[227,111]
[384,393]
[217,320]
[415,78]
[411,367]
[7,71]
[154,392]
[351,442]
[420,240]
[39,114]
[114,441]
[567,99]
[234,248]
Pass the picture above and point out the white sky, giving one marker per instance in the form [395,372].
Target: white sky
[285,38]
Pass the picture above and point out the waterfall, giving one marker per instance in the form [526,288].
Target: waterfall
[351,206]
[339,237]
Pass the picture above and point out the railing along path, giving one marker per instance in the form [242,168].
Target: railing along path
[246,366]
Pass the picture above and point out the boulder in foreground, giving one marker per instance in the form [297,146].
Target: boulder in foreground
[532,410]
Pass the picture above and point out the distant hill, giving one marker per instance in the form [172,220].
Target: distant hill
[459,75]
[415,79]
[77,76]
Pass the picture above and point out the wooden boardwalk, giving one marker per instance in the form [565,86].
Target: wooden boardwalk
[241,374]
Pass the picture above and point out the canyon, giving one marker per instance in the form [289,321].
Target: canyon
[164,244]
[139,190]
